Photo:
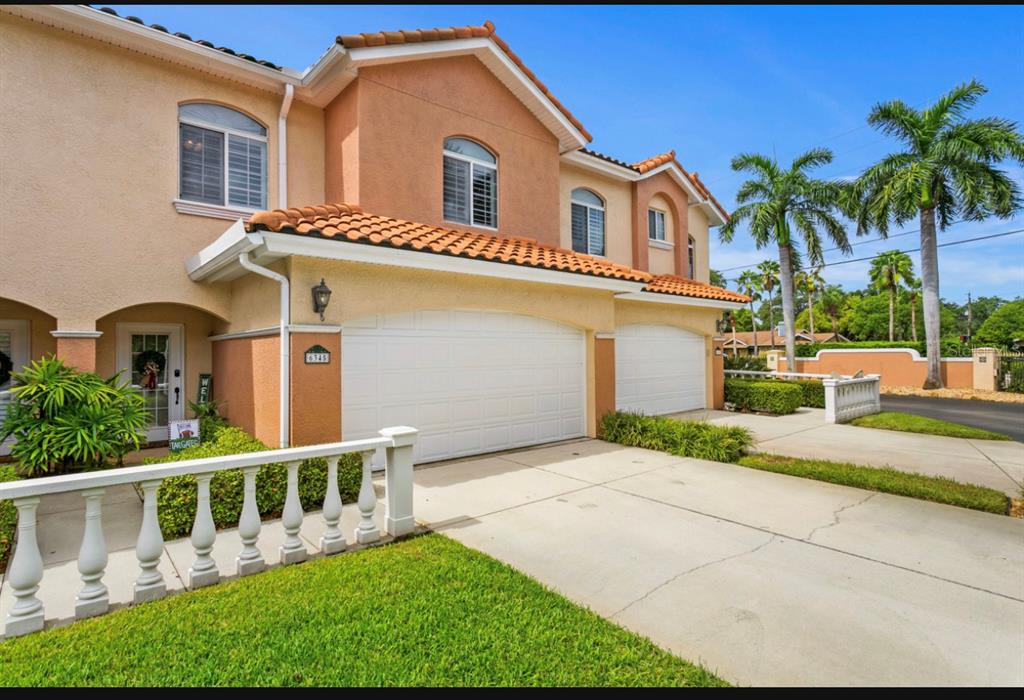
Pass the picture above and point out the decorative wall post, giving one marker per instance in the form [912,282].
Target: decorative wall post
[150,584]
[367,531]
[398,516]
[249,560]
[830,399]
[292,551]
[332,541]
[93,599]
[204,570]
[24,573]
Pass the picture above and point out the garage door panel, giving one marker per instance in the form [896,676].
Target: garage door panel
[471,381]
[658,369]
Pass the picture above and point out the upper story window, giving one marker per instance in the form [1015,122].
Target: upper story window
[655,225]
[691,258]
[223,157]
[470,183]
[587,222]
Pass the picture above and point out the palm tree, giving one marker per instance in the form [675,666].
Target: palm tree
[914,292]
[749,284]
[779,203]
[810,281]
[768,272]
[889,272]
[833,298]
[947,168]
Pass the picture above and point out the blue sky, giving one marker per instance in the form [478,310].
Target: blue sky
[712,82]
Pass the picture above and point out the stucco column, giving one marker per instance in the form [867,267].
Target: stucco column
[640,253]
[604,375]
[77,348]
[986,368]
[315,397]
[717,373]
[682,249]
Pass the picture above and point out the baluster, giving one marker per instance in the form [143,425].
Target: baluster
[24,573]
[367,531]
[332,541]
[249,561]
[93,599]
[150,545]
[204,570]
[292,551]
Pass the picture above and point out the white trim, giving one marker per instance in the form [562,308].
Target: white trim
[214,211]
[604,335]
[663,245]
[587,207]
[470,199]
[915,356]
[76,334]
[176,344]
[313,328]
[253,333]
[664,225]
[658,298]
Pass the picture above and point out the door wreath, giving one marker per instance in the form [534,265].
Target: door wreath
[149,364]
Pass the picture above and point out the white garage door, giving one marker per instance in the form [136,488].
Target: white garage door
[658,369]
[470,381]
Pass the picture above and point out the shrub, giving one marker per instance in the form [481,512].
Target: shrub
[770,396]
[61,418]
[210,420]
[8,517]
[813,392]
[176,498]
[747,363]
[698,439]
[811,349]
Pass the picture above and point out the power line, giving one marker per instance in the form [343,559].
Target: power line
[915,250]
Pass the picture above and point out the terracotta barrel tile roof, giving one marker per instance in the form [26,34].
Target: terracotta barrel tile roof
[349,223]
[680,286]
[653,162]
[484,31]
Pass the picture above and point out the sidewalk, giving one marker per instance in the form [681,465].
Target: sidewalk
[993,463]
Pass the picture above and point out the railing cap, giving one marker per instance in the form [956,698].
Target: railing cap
[400,435]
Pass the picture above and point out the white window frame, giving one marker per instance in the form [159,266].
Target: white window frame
[193,206]
[691,257]
[664,225]
[589,206]
[473,163]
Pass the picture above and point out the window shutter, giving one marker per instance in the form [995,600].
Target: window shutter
[456,190]
[596,231]
[485,196]
[579,228]
[202,165]
[247,165]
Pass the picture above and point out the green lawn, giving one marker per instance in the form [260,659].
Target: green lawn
[928,488]
[907,423]
[426,611]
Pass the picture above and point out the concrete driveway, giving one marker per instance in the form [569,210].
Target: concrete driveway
[769,579]
[998,464]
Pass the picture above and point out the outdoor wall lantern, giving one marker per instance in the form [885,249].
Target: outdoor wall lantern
[321,298]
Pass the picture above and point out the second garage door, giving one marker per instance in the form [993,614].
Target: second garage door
[658,369]
[470,381]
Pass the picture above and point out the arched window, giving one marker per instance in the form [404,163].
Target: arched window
[223,157]
[587,222]
[470,183]
[690,251]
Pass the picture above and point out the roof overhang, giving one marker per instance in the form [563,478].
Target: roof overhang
[716,217]
[657,298]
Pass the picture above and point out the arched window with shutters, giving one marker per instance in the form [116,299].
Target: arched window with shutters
[222,157]
[470,183]
[587,222]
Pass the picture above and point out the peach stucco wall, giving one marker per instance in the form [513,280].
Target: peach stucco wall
[245,379]
[897,367]
[315,400]
[89,150]
[404,111]
[660,260]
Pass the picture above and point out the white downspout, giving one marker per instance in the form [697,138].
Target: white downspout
[249,265]
[282,147]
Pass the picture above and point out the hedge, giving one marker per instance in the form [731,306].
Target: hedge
[769,396]
[8,517]
[698,439]
[811,349]
[813,392]
[176,498]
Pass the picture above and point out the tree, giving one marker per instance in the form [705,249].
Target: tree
[779,203]
[946,170]
[749,284]
[889,271]
[768,272]
[1004,326]
[717,279]
[810,281]
[833,299]
[914,292]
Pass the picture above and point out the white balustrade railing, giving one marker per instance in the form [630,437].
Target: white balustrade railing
[25,570]
[846,397]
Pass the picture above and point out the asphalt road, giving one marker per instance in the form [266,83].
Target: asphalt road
[1006,418]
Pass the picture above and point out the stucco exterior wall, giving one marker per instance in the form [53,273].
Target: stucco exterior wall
[660,260]
[405,111]
[700,231]
[618,204]
[896,367]
[89,140]
[245,378]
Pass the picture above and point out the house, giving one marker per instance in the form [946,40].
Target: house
[175,209]
[743,342]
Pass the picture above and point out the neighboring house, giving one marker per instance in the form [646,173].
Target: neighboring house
[742,342]
[494,283]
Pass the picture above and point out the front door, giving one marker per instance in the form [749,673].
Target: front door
[152,358]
